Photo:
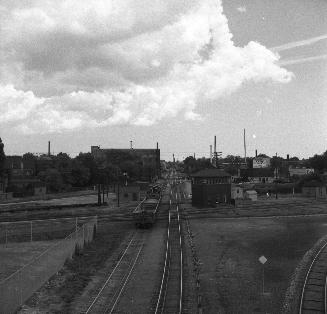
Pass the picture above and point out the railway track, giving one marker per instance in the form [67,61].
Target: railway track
[106,299]
[170,298]
[314,291]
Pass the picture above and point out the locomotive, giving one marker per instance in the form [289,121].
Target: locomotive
[145,213]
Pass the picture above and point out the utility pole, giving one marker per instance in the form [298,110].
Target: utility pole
[244,146]
[99,195]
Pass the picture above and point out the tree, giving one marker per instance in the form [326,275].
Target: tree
[276,162]
[53,180]
[191,165]
[88,161]
[80,175]
[294,158]
[63,163]
[318,162]
[312,177]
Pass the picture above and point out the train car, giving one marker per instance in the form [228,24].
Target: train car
[154,192]
[145,213]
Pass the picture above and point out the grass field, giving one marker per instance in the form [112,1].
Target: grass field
[16,255]
[231,275]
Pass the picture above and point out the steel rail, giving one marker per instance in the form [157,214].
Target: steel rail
[126,280]
[181,264]
[161,301]
[306,278]
[111,274]
[165,266]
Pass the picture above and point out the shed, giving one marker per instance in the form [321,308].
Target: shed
[314,189]
[251,195]
[130,193]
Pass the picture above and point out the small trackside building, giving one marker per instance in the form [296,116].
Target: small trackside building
[314,189]
[210,187]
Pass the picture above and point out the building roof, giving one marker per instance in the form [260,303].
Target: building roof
[253,192]
[210,173]
[257,172]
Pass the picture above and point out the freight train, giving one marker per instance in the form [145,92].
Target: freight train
[145,213]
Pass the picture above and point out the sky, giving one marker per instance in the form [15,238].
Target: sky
[98,72]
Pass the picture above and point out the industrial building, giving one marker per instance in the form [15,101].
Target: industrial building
[258,175]
[211,187]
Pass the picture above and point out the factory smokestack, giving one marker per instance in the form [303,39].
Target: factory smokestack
[131,143]
[211,154]
[49,148]
[157,145]
[256,153]
[215,145]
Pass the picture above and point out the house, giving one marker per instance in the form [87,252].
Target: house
[261,162]
[22,180]
[314,189]
[210,187]
[293,172]
[258,175]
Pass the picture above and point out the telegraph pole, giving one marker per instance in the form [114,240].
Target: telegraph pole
[99,195]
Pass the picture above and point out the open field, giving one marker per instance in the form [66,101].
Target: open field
[50,196]
[261,208]
[231,275]
[15,255]
[110,209]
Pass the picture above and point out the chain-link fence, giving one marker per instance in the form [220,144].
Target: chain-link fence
[18,287]
[38,230]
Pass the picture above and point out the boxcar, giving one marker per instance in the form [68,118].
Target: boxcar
[145,213]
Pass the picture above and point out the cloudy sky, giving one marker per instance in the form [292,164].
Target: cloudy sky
[99,72]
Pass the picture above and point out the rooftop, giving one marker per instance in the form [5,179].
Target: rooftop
[210,173]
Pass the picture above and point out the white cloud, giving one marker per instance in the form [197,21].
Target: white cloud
[80,64]
[241,9]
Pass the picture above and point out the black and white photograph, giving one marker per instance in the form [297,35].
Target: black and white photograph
[163,156]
